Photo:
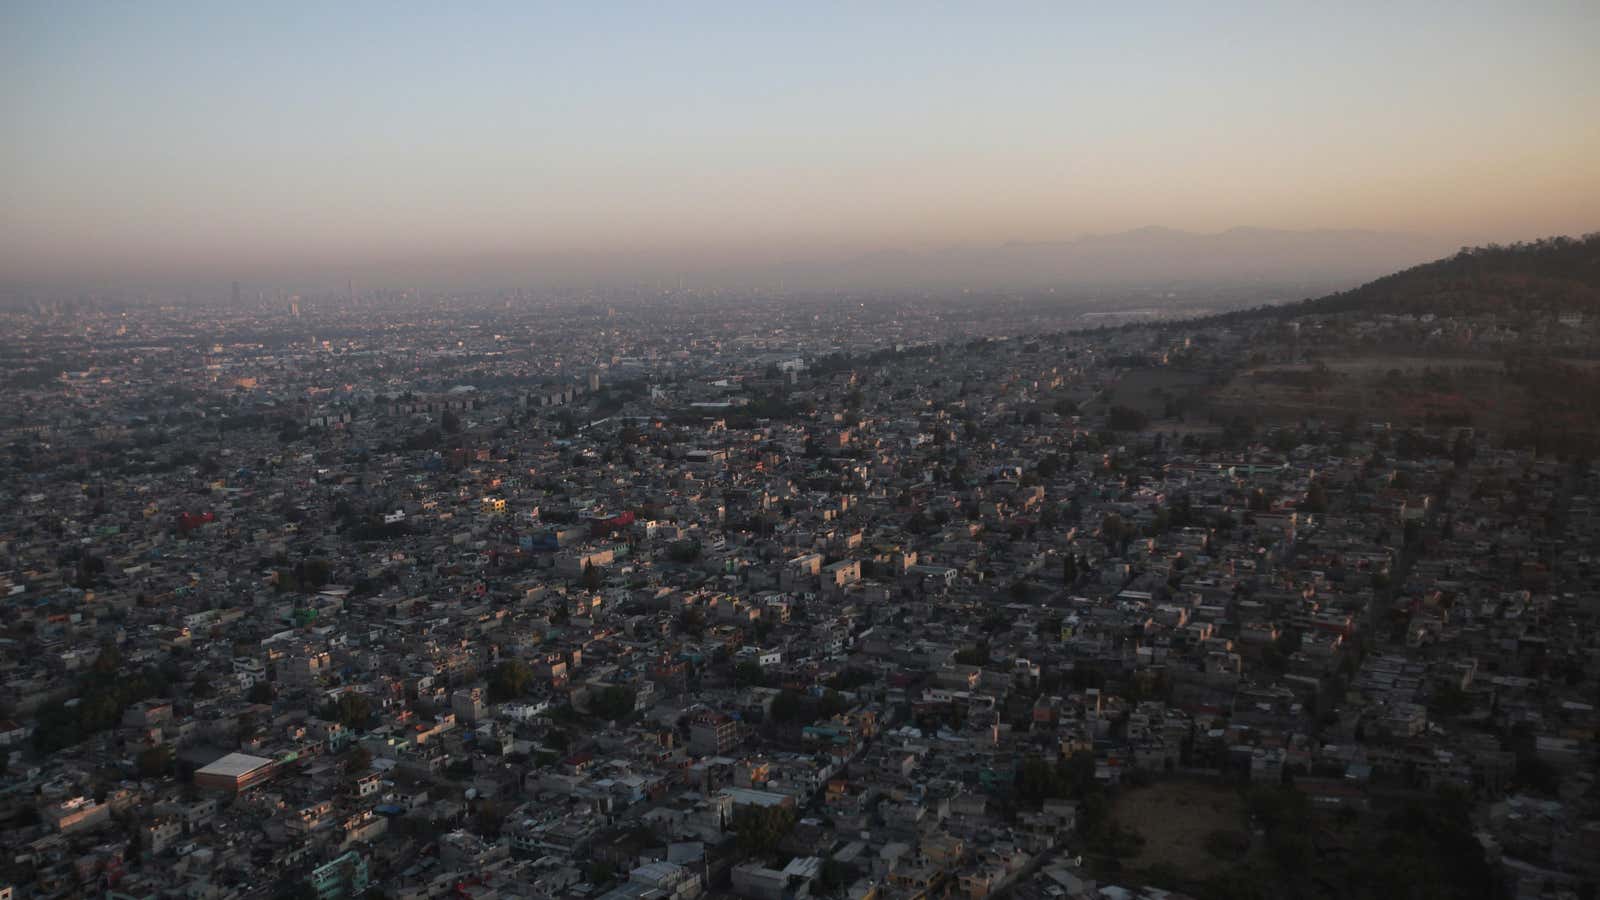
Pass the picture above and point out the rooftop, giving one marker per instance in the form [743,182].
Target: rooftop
[234,765]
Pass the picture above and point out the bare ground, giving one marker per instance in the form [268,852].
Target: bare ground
[1174,819]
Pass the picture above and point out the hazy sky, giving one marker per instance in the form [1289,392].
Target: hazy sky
[202,139]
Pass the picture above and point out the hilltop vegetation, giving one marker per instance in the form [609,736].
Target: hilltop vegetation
[1548,276]
[1501,338]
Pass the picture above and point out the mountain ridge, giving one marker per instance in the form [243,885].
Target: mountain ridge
[1151,256]
[1553,274]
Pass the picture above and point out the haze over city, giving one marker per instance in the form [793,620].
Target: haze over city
[699,451]
[824,145]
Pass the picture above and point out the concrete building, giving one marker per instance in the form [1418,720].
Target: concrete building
[235,772]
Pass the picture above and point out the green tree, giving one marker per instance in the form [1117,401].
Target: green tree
[613,702]
[155,762]
[1049,466]
[835,874]
[976,655]
[260,692]
[1316,498]
[103,692]
[1069,569]
[351,709]
[787,707]
[1449,701]
[509,680]
[759,829]
[357,759]
[748,672]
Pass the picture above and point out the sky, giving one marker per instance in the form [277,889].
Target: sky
[256,140]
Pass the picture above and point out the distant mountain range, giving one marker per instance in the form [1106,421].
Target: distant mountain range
[1155,258]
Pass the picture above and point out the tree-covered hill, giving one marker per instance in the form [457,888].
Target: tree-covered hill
[1549,276]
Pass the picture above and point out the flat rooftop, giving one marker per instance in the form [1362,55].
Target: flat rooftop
[234,765]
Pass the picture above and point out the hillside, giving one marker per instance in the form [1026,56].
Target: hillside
[1502,339]
[1554,275]
[1179,263]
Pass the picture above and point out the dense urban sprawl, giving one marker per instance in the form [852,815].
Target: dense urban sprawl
[634,603]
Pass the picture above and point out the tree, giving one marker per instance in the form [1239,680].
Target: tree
[510,680]
[296,889]
[1049,466]
[592,579]
[1412,533]
[155,762]
[1448,701]
[1227,845]
[103,693]
[489,819]
[613,702]
[1236,883]
[357,760]
[1050,627]
[1117,532]
[557,739]
[1316,498]
[761,828]
[1126,418]
[787,707]
[351,709]
[1038,780]
[976,655]
[109,660]
[835,874]
[692,621]
[1049,517]
[749,672]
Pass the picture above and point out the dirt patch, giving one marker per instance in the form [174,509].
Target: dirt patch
[1358,365]
[1154,391]
[1175,818]
[1442,392]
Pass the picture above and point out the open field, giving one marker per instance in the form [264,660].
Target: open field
[1174,819]
[1148,390]
[1401,389]
[1372,365]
